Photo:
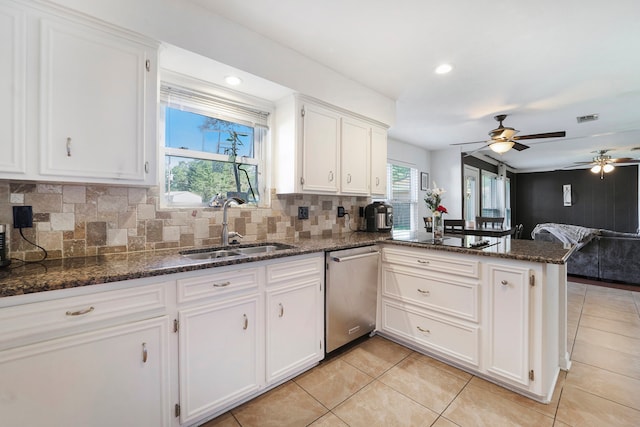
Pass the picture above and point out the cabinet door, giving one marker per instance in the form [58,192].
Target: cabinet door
[93,99]
[219,356]
[354,157]
[321,136]
[12,88]
[508,310]
[293,338]
[117,376]
[378,161]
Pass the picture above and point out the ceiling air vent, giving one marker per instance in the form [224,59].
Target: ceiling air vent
[587,118]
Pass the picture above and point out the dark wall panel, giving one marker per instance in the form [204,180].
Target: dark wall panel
[610,203]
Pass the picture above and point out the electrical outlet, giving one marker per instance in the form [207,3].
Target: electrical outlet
[22,217]
[340,211]
[303,212]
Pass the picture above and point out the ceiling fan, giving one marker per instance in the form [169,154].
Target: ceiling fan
[603,163]
[504,138]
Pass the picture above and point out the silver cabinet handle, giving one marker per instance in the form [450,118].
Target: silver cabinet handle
[221,285]
[246,322]
[348,178]
[421,261]
[146,167]
[330,176]
[281,310]
[68,147]
[377,180]
[423,292]
[504,283]
[80,312]
[426,331]
[145,353]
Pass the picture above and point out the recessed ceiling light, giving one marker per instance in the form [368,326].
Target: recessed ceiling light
[443,69]
[233,80]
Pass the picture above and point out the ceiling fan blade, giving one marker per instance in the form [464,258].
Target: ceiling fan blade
[560,134]
[519,147]
[624,160]
[469,143]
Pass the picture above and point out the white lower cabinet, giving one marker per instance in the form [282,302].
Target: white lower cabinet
[499,319]
[117,376]
[294,317]
[219,354]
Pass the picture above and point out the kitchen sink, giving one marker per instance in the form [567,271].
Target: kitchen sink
[239,251]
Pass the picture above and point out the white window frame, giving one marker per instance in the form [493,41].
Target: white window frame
[412,200]
[218,102]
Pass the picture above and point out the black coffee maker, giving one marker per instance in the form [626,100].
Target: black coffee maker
[378,216]
[4,247]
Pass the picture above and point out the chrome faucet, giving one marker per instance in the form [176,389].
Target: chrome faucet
[225,227]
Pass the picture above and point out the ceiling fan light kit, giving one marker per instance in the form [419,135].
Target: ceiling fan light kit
[501,147]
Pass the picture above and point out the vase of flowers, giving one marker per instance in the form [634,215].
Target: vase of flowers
[433,199]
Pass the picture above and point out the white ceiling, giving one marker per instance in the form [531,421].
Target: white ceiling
[543,62]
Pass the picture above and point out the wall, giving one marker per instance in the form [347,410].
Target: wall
[610,203]
[446,171]
[73,220]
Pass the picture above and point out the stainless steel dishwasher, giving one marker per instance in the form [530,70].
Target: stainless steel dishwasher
[351,294]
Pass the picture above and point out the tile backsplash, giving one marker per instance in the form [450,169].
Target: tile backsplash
[71,220]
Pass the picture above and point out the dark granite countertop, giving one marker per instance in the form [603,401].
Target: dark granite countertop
[75,272]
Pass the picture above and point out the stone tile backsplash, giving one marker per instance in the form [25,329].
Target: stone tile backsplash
[71,220]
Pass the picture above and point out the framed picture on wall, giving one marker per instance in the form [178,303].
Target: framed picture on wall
[424,181]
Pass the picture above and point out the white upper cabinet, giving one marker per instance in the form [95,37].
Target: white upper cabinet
[90,102]
[12,90]
[354,156]
[320,149]
[378,161]
[320,145]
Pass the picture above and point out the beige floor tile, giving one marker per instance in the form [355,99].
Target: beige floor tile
[448,368]
[609,385]
[605,358]
[608,313]
[424,383]
[329,420]
[376,355]
[545,409]
[579,408]
[286,405]
[380,405]
[612,341]
[224,420]
[443,422]
[557,423]
[333,382]
[629,329]
[604,302]
[474,406]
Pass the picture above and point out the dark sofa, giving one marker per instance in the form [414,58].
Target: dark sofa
[609,255]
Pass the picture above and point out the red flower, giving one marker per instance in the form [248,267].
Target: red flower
[441,209]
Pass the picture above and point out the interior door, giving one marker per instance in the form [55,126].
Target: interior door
[471,193]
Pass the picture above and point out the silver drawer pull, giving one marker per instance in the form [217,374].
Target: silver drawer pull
[423,292]
[281,310]
[68,147]
[246,322]
[80,312]
[426,331]
[144,352]
[221,285]
[421,261]
[504,283]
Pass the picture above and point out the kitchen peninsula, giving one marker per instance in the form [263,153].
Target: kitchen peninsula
[146,321]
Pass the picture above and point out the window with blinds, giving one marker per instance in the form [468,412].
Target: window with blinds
[402,194]
[212,148]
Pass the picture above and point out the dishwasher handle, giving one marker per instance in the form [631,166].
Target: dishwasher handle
[352,257]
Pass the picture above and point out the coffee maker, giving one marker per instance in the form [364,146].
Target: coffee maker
[378,216]
[5,260]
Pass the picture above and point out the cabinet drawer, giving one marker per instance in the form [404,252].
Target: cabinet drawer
[432,332]
[290,270]
[218,283]
[425,259]
[69,314]
[453,297]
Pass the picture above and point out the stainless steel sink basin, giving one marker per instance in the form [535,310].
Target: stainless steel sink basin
[239,251]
